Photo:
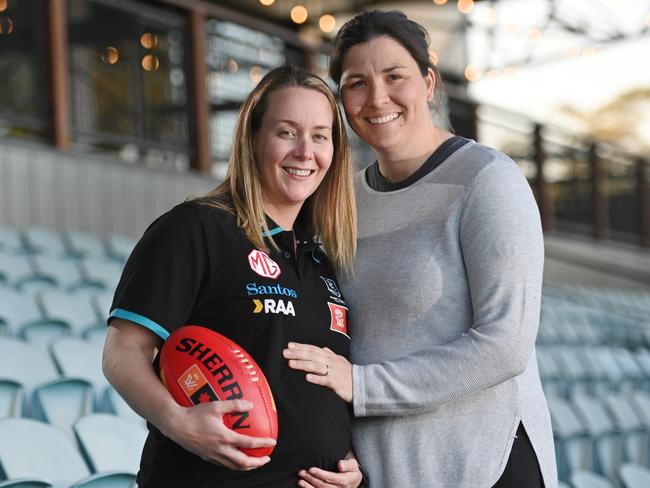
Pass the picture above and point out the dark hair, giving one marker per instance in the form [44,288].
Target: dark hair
[377,23]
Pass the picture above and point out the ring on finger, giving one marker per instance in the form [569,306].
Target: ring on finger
[327,369]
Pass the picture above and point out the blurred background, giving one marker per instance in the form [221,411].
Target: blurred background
[112,111]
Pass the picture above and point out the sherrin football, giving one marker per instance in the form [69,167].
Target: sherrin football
[199,365]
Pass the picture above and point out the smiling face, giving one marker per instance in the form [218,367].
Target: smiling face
[293,150]
[386,98]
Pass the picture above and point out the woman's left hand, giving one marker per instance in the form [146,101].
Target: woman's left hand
[323,367]
[348,476]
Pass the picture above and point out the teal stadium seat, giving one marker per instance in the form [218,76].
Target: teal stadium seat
[575,372]
[11,398]
[635,476]
[75,310]
[102,274]
[84,244]
[62,402]
[10,241]
[119,247]
[550,372]
[586,479]
[631,427]
[17,310]
[24,483]
[573,447]
[607,443]
[110,443]
[35,450]
[40,240]
[113,403]
[78,358]
[63,273]
[15,270]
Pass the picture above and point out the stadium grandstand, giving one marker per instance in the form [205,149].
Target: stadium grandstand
[112,111]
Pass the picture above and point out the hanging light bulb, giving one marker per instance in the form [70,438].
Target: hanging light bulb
[327,23]
[465,6]
[266,3]
[439,2]
[110,55]
[472,72]
[299,14]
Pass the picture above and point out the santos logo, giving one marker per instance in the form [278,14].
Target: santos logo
[253,289]
[268,305]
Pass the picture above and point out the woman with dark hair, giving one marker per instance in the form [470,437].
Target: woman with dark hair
[289,183]
[445,305]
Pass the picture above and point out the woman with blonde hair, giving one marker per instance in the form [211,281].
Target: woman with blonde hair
[255,260]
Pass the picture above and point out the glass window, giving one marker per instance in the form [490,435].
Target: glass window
[23,90]
[128,82]
[237,58]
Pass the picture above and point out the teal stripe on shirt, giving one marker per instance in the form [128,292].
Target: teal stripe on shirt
[140,320]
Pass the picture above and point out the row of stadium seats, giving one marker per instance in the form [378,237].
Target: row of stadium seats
[58,383]
[593,352]
[71,244]
[104,453]
[632,303]
[36,272]
[630,474]
[566,370]
[601,434]
[568,324]
[42,317]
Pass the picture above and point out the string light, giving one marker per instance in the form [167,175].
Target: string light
[465,6]
[492,73]
[491,15]
[512,28]
[233,67]
[572,52]
[150,62]
[472,72]
[148,40]
[3,5]
[266,3]
[327,23]
[110,55]
[299,14]
[439,2]
[534,34]
[256,74]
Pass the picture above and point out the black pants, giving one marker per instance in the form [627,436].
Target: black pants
[522,470]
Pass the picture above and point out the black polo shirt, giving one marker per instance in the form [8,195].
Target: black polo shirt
[195,266]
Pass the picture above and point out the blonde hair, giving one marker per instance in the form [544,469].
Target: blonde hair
[329,214]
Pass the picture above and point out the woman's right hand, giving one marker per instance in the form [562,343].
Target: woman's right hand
[128,353]
[200,430]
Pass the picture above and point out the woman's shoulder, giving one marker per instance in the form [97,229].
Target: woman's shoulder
[194,214]
[475,160]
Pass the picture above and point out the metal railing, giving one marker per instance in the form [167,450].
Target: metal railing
[582,186]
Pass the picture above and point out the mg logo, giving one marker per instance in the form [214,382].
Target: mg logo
[263,265]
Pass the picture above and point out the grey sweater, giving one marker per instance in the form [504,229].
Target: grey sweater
[444,315]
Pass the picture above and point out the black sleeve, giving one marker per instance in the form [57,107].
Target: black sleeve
[162,277]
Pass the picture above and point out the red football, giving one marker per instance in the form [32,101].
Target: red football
[199,365]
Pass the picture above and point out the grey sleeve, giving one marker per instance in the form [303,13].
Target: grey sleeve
[502,247]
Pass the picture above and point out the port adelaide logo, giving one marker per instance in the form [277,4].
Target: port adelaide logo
[335,293]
